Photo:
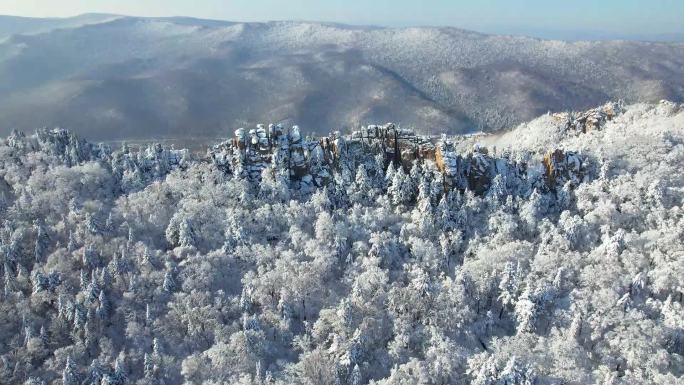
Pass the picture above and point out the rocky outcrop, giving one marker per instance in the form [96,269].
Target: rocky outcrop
[309,163]
[279,151]
[593,119]
[447,163]
[398,145]
[562,167]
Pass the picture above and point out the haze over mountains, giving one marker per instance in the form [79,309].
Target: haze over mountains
[111,77]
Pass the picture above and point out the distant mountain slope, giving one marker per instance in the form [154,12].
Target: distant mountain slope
[14,25]
[127,77]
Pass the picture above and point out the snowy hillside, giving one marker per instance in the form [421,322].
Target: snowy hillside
[14,25]
[550,254]
[122,77]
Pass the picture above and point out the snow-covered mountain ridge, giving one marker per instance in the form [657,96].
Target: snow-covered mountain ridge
[157,265]
[113,78]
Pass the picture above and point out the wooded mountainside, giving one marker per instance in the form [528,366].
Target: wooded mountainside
[550,254]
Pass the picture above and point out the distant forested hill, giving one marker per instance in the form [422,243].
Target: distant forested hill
[110,77]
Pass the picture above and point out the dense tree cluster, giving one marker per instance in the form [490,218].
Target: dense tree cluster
[154,267]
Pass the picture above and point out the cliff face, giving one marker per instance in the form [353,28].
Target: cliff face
[561,167]
[309,162]
[593,119]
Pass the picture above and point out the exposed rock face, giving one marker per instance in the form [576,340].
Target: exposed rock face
[562,167]
[310,163]
[447,162]
[279,151]
[479,171]
[593,119]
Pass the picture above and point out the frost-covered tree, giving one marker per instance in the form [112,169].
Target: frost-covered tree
[400,188]
[186,234]
[362,187]
[41,244]
[70,374]
[169,284]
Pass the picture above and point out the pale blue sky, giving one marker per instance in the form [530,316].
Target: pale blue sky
[618,17]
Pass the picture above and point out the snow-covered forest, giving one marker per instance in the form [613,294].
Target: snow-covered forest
[550,254]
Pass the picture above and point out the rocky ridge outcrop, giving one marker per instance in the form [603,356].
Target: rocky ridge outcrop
[309,162]
[306,163]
